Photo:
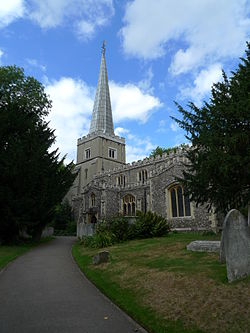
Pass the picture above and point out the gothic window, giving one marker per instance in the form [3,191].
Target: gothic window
[87,153]
[143,176]
[129,205]
[112,153]
[121,180]
[86,173]
[179,202]
[92,200]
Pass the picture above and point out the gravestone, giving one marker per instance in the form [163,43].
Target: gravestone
[204,246]
[235,245]
[101,257]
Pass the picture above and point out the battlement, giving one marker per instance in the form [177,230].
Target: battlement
[92,136]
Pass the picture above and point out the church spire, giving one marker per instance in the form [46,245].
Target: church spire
[102,114]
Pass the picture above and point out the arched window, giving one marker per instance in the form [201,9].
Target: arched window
[129,205]
[92,200]
[121,180]
[142,176]
[179,202]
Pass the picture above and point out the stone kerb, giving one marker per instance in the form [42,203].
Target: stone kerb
[235,245]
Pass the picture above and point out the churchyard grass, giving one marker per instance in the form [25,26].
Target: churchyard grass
[10,252]
[166,288]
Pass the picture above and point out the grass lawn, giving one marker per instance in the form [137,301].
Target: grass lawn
[166,288]
[11,252]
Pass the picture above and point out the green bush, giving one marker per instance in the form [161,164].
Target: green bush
[150,225]
[119,230]
[119,226]
[99,240]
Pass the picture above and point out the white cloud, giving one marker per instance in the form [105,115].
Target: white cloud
[131,103]
[87,15]
[1,54]
[137,148]
[202,84]
[10,10]
[174,127]
[70,115]
[208,29]
[120,131]
[35,63]
[72,104]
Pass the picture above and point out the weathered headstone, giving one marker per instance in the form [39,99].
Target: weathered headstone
[235,245]
[101,257]
[204,246]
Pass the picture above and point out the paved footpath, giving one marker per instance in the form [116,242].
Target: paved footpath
[44,291]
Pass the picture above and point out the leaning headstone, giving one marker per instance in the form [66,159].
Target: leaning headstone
[235,245]
[101,257]
[204,246]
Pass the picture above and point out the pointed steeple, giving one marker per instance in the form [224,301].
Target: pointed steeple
[102,113]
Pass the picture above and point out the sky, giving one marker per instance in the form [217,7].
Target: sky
[157,52]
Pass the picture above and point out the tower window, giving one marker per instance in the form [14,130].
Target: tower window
[112,153]
[87,153]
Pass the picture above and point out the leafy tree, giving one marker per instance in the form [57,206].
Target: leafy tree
[63,220]
[219,169]
[160,150]
[32,178]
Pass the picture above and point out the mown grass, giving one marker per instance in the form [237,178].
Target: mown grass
[169,289]
[10,252]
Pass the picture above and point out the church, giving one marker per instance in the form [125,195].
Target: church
[106,186]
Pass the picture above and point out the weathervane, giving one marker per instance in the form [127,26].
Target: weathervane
[103,47]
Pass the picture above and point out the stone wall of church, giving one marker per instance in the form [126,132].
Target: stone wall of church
[150,193]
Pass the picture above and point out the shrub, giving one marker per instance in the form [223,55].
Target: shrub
[119,227]
[150,225]
[99,240]
[118,230]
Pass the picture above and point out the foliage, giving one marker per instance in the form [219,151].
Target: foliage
[99,240]
[119,227]
[32,178]
[63,222]
[119,230]
[150,225]
[161,150]
[219,169]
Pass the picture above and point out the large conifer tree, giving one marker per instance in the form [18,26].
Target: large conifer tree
[219,169]
[32,178]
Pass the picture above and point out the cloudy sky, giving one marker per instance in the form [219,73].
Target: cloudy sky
[157,52]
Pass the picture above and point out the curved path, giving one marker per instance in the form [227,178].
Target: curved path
[44,291]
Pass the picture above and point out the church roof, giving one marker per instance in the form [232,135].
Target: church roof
[102,113]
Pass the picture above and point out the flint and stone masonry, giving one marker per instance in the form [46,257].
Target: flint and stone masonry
[106,186]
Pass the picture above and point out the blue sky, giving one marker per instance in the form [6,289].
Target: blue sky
[157,52]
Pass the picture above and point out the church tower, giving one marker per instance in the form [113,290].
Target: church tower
[101,149]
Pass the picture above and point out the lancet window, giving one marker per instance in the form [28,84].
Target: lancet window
[179,202]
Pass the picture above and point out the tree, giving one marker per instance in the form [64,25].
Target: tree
[160,150]
[218,172]
[32,178]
